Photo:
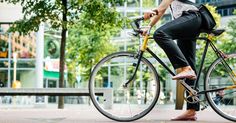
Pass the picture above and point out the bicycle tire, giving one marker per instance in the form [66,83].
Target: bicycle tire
[222,101]
[132,102]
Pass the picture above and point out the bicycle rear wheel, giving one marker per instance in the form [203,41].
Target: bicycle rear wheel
[220,76]
[124,103]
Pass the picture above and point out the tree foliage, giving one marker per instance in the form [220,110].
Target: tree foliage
[89,39]
[50,11]
[62,14]
[229,39]
[86,45]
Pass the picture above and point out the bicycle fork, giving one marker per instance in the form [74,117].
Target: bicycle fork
[140,55]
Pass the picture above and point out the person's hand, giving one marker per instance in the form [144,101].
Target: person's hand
[148,15]
[144,31]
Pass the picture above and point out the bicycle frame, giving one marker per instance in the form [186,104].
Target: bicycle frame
[192,91]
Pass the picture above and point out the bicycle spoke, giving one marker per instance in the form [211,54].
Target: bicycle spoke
[221,78]
[128,103]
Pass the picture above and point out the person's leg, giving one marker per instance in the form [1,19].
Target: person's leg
[188,48]
[186,26]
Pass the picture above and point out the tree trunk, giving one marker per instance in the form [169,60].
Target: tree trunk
[62,54]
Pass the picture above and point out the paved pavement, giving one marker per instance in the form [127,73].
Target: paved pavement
[88,114]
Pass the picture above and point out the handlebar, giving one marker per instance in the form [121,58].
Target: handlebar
[136,25]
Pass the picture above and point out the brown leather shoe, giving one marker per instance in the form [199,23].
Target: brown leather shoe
[189,74]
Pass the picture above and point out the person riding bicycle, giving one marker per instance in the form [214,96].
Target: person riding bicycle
[184,28]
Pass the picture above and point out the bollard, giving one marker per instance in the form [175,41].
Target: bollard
[108,95]
[179,96]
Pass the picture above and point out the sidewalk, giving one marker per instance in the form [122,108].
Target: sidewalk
[88,114]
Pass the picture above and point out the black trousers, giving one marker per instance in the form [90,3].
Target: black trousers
[183,29]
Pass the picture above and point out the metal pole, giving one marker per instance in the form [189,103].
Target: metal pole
[15,62]
[109,76]
[39,56]
[9,61]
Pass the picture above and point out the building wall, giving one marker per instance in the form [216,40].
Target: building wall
[25,46]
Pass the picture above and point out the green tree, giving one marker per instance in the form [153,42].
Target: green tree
[86,45]
[61,14]
[229,39]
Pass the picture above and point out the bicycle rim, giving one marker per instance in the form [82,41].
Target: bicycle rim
[219,76]
[119,103]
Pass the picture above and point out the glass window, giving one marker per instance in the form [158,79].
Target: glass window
[3,78]
[3,63]
[3,46]
[231,11]
[21,63]
[225,12]
[23,45]
[219,11]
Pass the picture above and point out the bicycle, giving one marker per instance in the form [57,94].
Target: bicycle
[135,82]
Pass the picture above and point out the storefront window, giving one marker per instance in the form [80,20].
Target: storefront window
[3,78]
[25,63]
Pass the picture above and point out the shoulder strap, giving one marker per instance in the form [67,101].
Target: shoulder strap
[171,11]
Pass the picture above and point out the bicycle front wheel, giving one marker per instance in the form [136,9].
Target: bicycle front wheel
[124,103]
[220,76]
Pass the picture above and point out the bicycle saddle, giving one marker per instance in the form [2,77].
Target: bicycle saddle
[215,32]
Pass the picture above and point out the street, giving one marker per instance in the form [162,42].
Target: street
[88,114]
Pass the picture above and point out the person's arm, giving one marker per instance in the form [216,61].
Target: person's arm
[160,10]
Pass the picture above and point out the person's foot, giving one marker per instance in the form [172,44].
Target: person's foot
[189,115]
[186,72]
